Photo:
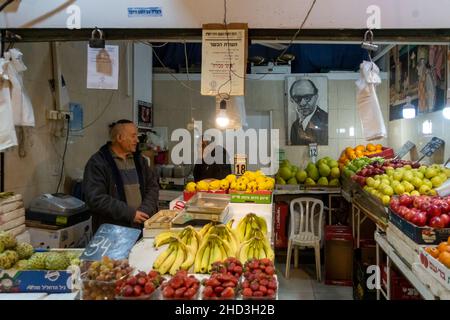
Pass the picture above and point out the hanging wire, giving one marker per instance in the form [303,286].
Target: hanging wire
[227,96]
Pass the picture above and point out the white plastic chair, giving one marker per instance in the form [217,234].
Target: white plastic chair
[304,232]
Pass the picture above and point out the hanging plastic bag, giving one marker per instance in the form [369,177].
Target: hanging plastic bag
[21,105]
[8,136]
[367,103]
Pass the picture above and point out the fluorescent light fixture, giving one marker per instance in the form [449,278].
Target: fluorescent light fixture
[427,127]
[446,112]
[409,111]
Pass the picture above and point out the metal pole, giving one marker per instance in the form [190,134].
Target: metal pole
[2,155]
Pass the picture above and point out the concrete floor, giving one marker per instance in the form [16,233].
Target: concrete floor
[302,285]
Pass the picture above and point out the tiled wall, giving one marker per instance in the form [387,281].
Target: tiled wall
[403,130]
[268,95]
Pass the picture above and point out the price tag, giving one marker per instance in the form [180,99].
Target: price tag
[240,164]
[112,241]
[432,146]
[407,147]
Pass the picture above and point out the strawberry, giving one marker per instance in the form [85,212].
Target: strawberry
[227,293]
[270,270]
[176,282]
[153,274]
[247,292]
[168,292]
[257,294]
[137,290]
[189,282]
[149,288]
[254,286]
[132,281]
[218,289]
[230,284]
[272,285]
[245,284]
[263,289]
[264,282]
[179,292]
[208,291]
[190,293]
[237,270]
[142,281]
[270,293]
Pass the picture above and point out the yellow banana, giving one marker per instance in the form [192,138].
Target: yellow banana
[199,257]
[269,252]
[243,251]
[262,224]
[205,229]
[180,257]
[230,224]
[190,257]
[223,251]
[241,227]
[215,254]
[248,231]
[262,253]
[205,258]
[162,257]
[163,238]
[167,264]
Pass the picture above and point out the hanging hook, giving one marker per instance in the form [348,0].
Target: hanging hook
[368,44]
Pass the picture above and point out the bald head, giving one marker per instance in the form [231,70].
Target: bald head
[304,93]
[123,135]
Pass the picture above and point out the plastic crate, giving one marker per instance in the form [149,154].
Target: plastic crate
[387,153]
[401,288]
[420,235]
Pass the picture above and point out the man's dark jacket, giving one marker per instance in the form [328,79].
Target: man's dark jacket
[316,131]
[104,191]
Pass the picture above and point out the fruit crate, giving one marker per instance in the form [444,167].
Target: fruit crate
[188,195]
[420,235]
[258,197]
[370,203]
[401,288]
[435,268]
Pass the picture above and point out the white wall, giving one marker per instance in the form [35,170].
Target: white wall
[171,98]
[287,14]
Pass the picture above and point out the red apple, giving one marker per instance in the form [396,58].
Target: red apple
[395,204]
[445,218]
[409,214]
[435,210]
[421,219]
[405,200]
[436,223]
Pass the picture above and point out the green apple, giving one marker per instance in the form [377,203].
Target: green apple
[388,191]
[424,189]
[443,177]
[415,193]
[376,184]
[408,186]
[390,171]
[431,172]
[419,174]
[398,175]
[386,181]
[408,176]
[386,200]
[436,181]
[428,183]
[423,169]
[432,192]
[395,183]
[370,181]
[407,167]
[417,182]
[399,189]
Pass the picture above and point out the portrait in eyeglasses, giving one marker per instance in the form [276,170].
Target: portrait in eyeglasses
[307,116]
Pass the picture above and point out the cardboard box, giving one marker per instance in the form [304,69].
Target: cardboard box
[76,236]
[434,267]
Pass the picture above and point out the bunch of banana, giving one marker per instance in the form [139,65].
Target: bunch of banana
[190,237]
[249,225]
[257,247]
[212,249]
[177,256]
[226,234]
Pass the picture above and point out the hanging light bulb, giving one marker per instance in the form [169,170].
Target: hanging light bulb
[409,111]
[222,119]
[446,112]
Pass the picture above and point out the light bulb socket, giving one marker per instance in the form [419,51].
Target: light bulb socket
[223,104]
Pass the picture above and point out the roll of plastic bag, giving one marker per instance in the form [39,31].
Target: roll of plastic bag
[367,103]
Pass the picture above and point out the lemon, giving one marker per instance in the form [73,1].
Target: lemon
[241,186]
[214,185]
[250,175]
[224,184]
[202,186]
[233,185]
[191,187]
[260,179]
[243,179]
[231,178]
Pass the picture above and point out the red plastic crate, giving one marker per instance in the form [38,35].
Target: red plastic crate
[387,153]
[401,288]
[281,225]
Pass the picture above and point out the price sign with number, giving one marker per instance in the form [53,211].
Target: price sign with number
[240,164]
[432,146]
[407,147]
[112,241]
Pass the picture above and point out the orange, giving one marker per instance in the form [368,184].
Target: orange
[349,152]
[443,246]
[353,156]
[342,158]
[379,147]
[434,252]
[371,147]
[444,258]
[359,153]
[360,148]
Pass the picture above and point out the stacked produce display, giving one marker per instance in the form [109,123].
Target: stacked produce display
[140,286]
[441,252]
[198,251]
[325,172]
[259,279]
[370,150]
[22,256]
[423,210]
[250,181]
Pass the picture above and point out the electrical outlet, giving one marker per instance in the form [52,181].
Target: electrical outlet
[63,114]
[52,114]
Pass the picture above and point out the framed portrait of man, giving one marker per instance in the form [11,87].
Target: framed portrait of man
[306,109]
[145,114]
